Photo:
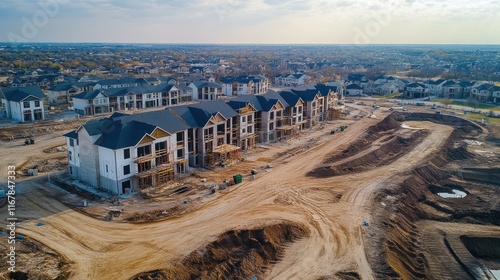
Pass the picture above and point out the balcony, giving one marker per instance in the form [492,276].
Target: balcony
[154,171]
[209,137]
[145,158]
[180,144]
[160,152]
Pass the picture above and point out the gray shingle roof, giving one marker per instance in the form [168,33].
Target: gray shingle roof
[201,84]
[306,94]
[123,130]
[324,89]
[353,86]
[197,115]
[18,94]
[88,95]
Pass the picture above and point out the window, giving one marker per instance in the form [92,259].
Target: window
[160,146]
[107,169]
[243,119]
[180,153]
[37,103]
[26,104]
[144,166]
[249,119]
[71,142]
[142,151]
[161,159]
[126,170]
[180,136]
[126,153]
[70,155]
[250,129]
[244,130]
[271,126]
[272,116]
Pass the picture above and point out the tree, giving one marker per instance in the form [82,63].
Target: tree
[473,103]
[446,102]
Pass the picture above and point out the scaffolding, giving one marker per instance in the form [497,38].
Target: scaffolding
[223,155]
[156,176]
[287,132]
[334,114]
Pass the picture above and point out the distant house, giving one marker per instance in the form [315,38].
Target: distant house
[353,90]
[416,90]
[22,104]
[452,90]
[495,94]
[132,98]
[482,92]
[63,93]
[91,102]
[385,88]
[206,90]
[291,80]
[435,87]
[244,85]
[120,83]
[359,79]
[466,88]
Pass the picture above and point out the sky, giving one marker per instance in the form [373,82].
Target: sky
[252,21]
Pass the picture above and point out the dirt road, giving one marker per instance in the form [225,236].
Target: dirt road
[16,153]
[333,209]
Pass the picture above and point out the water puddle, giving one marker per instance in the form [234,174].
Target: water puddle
[455,194]
[410,127]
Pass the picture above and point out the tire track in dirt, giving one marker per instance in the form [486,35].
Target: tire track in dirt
[334,245]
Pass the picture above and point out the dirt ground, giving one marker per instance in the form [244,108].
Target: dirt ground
[292,226]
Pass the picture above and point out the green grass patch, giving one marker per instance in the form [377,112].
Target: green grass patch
[479,117]
[466,104]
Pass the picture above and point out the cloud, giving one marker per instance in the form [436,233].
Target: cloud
[183,20]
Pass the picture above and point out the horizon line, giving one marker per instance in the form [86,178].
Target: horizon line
[262,44]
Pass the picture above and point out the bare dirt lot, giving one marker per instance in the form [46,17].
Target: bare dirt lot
[378,218]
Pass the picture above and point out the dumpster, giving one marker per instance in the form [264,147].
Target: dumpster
[238,178]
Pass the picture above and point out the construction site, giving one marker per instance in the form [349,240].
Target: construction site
[373,194]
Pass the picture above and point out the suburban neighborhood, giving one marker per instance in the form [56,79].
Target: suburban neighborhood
[138,161]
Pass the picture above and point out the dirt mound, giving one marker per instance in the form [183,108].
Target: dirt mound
[153,275]
[468,126]
[155,215]
[388,123]
[405,251]
[43,263]
[389,152]
[349,275]
[241,254]
[373,133]
[486,175]
[404,247]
